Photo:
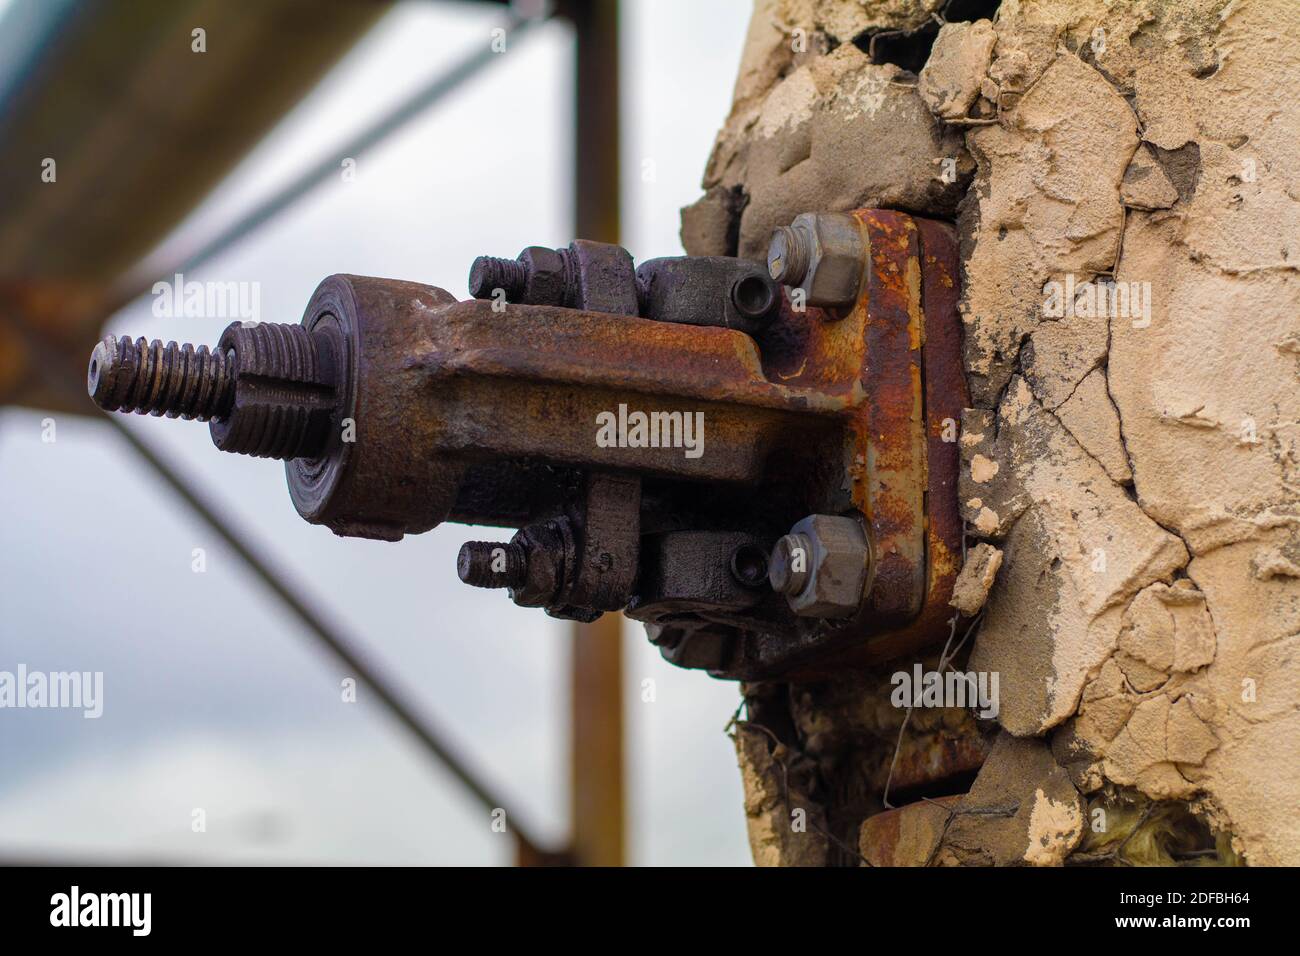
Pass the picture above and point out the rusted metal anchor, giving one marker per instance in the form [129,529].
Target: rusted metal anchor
[758,463]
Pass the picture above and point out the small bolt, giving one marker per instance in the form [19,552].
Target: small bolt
[787,256]
[788,567]
[489,273]
[823,254]
[537,276]
[492,564]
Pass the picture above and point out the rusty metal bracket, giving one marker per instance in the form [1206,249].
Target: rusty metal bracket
[768,484]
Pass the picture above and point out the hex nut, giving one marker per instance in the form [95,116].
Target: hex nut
[823,254]
[838,562]
[548,276]
[604,278]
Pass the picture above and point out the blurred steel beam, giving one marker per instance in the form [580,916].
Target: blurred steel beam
[99,205]
[597,728]
[598,795]
[327,169]
[346,650]
[142,126]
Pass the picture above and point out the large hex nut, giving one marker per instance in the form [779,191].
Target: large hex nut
[604,278]
[822,254]
[822,566]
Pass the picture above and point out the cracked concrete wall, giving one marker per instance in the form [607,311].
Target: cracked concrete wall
[1122,178]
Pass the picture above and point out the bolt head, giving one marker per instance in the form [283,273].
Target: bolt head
[836,256]
[838,561]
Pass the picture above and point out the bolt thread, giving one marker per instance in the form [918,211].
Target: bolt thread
[492,564]
[489,273]
[787,257]
[179,381]
[788,566]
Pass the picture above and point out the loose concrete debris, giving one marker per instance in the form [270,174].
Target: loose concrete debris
[1145,184]
[1022,809]
[1078,551]
[1046,208]
[950,82]
[1155,739]
[785,824]
[971,588]
[785,149]
[1277,562]
[907,836]
[1139,468]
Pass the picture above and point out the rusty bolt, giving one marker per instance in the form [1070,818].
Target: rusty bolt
[540,276]
[489,273]
[595,276]
[266,390]
[821,253]
[179,381]
[492,564]
[534,564]
[787,256]
[788,567]
[821,566]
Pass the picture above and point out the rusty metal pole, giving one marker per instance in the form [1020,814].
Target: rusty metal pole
[597,815]
[597,741]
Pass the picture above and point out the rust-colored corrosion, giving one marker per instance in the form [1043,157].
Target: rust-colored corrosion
[907,835]
[487,412]
[890,433]
[946,395]
[927,760]
[905,335]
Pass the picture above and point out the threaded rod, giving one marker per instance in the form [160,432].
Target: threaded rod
[179,381]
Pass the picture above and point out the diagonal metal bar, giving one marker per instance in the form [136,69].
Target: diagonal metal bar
[348,652]
[327,168]
[344,649]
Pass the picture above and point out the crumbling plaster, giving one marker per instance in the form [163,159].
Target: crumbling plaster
[1138,461]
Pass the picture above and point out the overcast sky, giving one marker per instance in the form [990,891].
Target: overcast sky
[213,697]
